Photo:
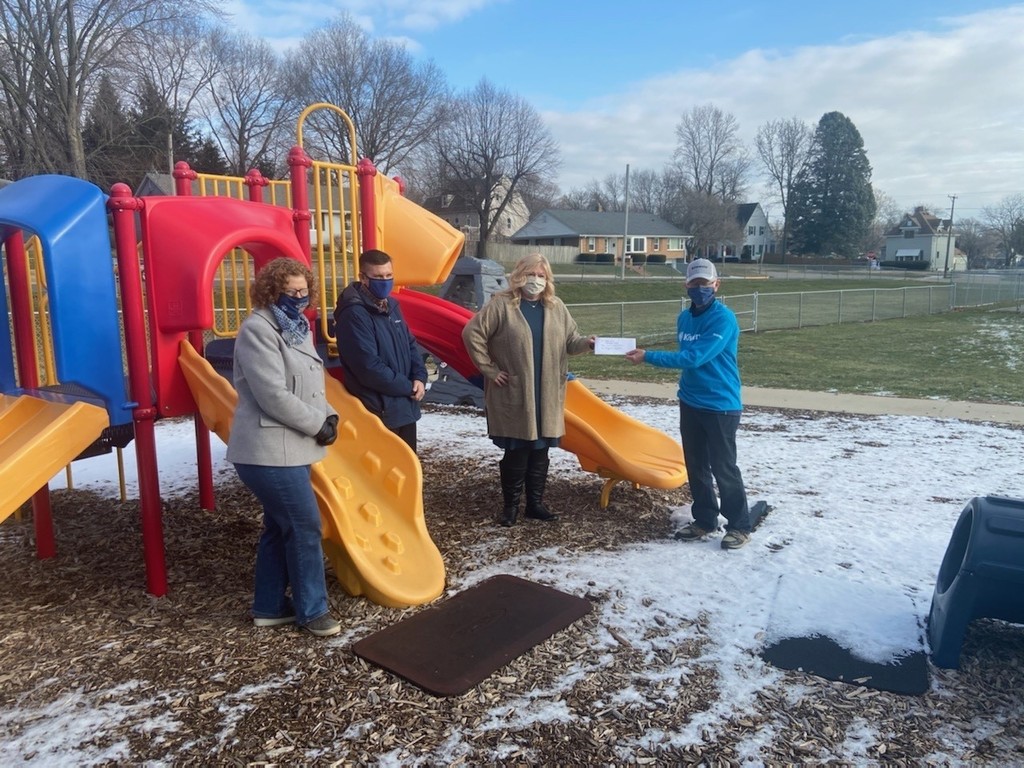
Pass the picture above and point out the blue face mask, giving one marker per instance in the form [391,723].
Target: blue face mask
[701,295]
[292,306]
[380,286]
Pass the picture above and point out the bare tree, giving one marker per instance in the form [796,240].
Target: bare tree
[976,240]
[180,63]
[649,191]
[247,110]
[709,153]
[492,144]
[55,52]
[783,147]
[576,199]
[1006,220]
[395,103]
[888,215]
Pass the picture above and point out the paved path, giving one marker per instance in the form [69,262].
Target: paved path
[833,402]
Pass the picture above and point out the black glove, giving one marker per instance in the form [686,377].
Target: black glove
[328,432]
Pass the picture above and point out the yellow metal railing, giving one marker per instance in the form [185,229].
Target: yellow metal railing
[335,217]
[334,232]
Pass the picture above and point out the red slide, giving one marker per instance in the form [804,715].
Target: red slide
[437,325]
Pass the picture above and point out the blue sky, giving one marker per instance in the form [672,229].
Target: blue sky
[934,87]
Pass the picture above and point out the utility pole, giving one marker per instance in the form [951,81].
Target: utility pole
[949,236]
[625,226]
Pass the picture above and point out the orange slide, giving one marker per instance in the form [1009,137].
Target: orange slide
[618,447]
[369,487]
[37,439]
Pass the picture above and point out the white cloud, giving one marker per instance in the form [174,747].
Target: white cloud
[939,112]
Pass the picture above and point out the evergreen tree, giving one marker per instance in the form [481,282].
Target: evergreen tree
[206,157]
[832,202]
[105,138]
[154,120]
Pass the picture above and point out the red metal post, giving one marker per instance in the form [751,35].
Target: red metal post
[256,181]
[365,171]
[204,456]
[183,178]
[123,207]
[28,374]
[299,163]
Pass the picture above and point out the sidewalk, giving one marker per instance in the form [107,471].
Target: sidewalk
[832,402]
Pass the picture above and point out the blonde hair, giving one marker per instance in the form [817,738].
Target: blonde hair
[271,280]
[517,279]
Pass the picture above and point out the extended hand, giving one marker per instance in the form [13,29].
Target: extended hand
[636,356]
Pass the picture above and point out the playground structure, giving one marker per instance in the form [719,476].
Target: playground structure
[72,388]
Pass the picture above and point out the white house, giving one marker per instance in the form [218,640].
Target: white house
[922,237]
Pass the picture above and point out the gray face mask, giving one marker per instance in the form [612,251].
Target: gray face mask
[534,285]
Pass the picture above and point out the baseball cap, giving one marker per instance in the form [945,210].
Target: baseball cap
[701,269]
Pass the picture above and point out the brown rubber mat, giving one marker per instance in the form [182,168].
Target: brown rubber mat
[449,648]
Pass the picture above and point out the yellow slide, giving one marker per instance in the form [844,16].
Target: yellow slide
[369,487]
[618,447]
[37,438]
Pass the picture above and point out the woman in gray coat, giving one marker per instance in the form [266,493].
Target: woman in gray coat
[521,341]
[280,427]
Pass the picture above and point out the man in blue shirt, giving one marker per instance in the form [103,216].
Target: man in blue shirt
[709,407]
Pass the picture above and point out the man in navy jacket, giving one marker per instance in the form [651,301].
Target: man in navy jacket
[379,355]
[709,407]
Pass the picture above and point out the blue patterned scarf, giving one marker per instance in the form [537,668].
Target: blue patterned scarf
[294,331]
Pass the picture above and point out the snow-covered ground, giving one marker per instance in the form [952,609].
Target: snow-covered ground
[863,511]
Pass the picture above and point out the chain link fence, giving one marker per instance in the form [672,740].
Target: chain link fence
[654,322]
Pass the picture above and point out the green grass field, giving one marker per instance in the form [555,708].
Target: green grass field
[965,355]
[975,354]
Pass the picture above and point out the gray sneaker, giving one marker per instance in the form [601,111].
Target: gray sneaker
[273,621]
[735,539]
[324,626]
[691,532]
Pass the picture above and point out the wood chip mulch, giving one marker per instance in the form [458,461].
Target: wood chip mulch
[187,679]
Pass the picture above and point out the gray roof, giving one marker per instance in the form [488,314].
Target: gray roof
[569,223]
[744,211]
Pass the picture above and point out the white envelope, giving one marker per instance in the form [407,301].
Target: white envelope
[611,345]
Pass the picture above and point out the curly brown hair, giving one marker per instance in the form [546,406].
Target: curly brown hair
[271,280]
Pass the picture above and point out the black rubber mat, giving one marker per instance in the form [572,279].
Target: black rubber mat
[824,657]
[449,648]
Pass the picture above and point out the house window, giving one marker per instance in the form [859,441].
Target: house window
[635,245]
[591,244]
[655,241]
[760,249]
[751,230]
[509,224]
[761,233]
[675,244]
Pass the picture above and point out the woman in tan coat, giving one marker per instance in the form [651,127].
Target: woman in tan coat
[521,341]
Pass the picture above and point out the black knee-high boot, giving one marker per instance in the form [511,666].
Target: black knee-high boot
[513,476]
[536,479]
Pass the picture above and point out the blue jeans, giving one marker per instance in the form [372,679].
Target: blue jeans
[289,552]
[709,449]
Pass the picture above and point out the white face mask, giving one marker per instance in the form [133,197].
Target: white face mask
[534,285]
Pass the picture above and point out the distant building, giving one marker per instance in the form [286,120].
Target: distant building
[758,238]
[603,232]
[921,237]
[462,214]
